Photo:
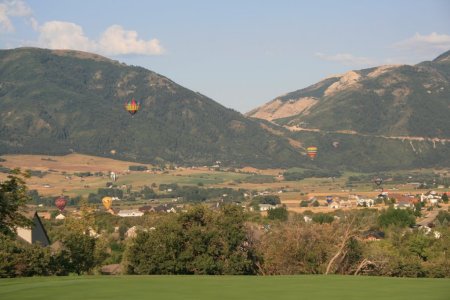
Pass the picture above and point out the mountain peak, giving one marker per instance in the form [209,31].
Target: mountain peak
[61,52]
[387,100]
[80,54]
[345,81]
[444,57]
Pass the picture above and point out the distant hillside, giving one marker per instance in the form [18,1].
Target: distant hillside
[381,118]
[57,102]
[393,100]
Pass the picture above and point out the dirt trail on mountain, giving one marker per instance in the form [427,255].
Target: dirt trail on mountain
[352,132]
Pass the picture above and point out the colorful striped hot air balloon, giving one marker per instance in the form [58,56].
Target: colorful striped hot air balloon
[311,151]
[132,106]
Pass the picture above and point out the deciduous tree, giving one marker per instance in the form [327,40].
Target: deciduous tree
[13,196]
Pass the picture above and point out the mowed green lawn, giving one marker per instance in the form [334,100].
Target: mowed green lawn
[224,287]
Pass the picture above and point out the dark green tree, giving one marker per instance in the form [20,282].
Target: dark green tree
[322,218]
[8,256]
[200,241]
[157,251]
[396,217]
[265,199]
[13,196]
[19,259]
[279,213]
[80,250]
[445,198]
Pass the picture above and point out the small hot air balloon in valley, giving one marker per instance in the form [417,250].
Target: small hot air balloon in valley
[378,181]
[60,203]
[132,106]
[311,151]
[107,202]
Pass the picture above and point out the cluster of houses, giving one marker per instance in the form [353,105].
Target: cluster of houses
[165,208]
[37,233]
[400,201]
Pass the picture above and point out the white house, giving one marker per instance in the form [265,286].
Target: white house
[402,204]
[365,202]
[131,232]
[265,207]
[60,217]
[430,197]
[334,205]
[434,201]
[130,213]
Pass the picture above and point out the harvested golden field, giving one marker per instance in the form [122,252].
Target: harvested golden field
[60,178]
[67,163]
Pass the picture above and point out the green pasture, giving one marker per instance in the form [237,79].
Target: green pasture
[139,179]
[224,287]
[193,179]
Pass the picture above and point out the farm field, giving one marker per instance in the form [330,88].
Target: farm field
[59,179]
[224,287]
[56,180]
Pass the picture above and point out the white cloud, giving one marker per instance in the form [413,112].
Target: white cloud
[425,43]
[14,8]
[114,41]
[64,35]
[5,22]
[346,59]
[18,8]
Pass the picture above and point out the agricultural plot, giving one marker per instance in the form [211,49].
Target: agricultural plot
[59,178]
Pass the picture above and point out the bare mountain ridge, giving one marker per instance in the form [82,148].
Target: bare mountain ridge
[390,100]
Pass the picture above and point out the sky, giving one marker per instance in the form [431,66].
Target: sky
[240,53]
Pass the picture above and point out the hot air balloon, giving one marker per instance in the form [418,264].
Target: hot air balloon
[311,151]
[378,181]
[132,106]
[107,202]
[60,203]
[329,199]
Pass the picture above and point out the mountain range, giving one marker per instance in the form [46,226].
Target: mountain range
[60,101]
[393,100]
[387,117]
[382,118]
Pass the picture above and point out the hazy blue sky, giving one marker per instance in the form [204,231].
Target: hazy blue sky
[240,53]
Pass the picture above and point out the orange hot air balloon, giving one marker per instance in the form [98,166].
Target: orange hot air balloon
[132,106]
[107,202]
[311,151]
[60,203]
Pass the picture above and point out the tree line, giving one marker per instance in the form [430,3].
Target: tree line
[228,240]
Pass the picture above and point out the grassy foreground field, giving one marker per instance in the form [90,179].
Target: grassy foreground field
[224,287]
